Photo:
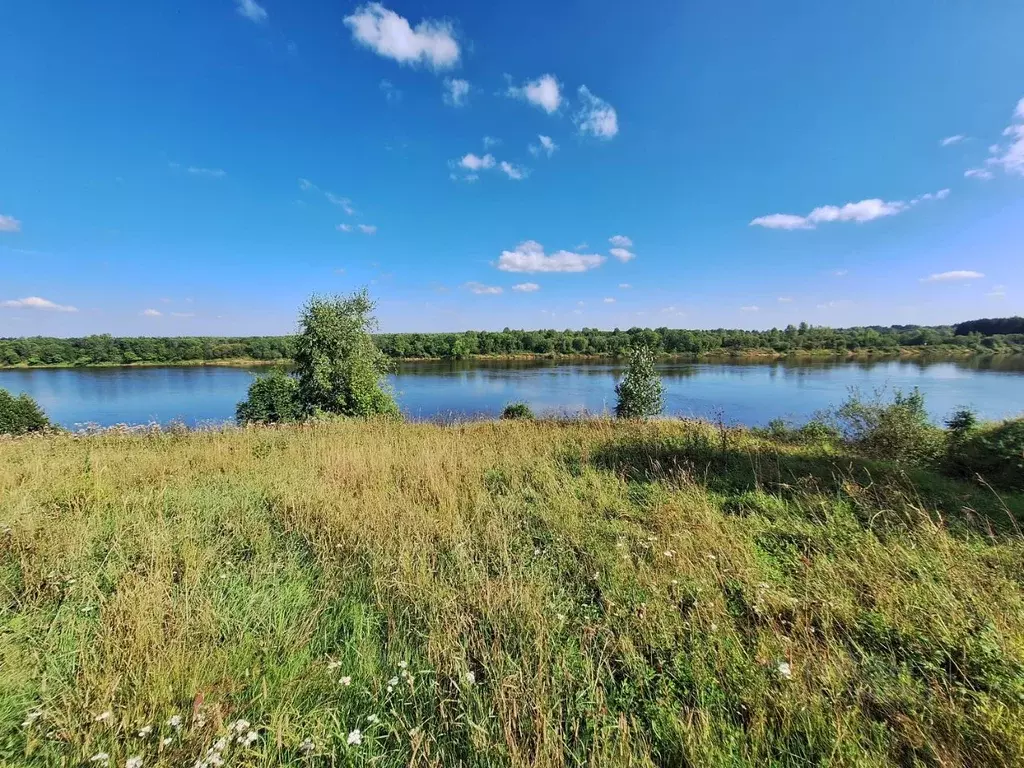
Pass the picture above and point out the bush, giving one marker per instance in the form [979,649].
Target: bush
[272,398]
[340,369]
[640,391]
[517,411]
[995,452]
[20,415]
[897,431]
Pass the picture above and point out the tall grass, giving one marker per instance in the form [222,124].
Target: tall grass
[507,593]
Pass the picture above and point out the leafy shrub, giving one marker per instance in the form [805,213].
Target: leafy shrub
[517,411]
[814,432]
[21,414]
[340,369]
[272,398]
[994,452]
[897,431]
[640,391]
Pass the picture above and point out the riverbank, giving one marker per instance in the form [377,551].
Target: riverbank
[944,352]
[501,593]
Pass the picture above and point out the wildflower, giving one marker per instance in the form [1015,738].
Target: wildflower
[372,719]
[403,664]
[333,664]
[355,737]
[346,680]
[714,627]
[669,553]
[175,721]
[308,746]
[560,616]
[100,757]
[785,670]
[237,726]
[250,738]
[470,677]
[219,745]
[133,762]
[393,681]
[145,730]
[102,717]
[414,732]
[165,741]
[536,552]
[32,716]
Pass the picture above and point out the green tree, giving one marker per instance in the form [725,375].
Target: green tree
[21,414]
[640,391]
[272,398]
[340,370]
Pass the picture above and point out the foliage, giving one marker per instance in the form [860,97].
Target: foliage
[517,411]
[991,326]
[272,398]
[21,414]
[501,595]
[640,391]
[896,430]
[339,368]
[800,339]
[993,452]
[815,432]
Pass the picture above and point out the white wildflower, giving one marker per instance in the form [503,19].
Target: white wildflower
[103,717]
[238,726]
[403,664]
[393,681]
[133,762]
[470,677]
[100,757]
[32,716]
[372,719]
[145,730]
[414,732]
[670,553]
[355,737]
[250,738]
[307,745]
[346,680]
[175,721]
[785,670]
[536,552]
[333,664]
[165,741]
[219,745]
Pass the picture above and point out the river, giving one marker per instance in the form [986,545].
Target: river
[749,393]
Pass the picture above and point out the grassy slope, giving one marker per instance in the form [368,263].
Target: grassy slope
[622,595]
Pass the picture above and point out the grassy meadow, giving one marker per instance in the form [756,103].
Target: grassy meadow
[581,593]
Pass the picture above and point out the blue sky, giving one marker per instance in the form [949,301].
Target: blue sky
[201,166]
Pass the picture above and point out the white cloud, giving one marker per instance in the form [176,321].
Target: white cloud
[609,300]
[529,256]
[547,146]
[840,272]
[625,286]
[837,304]
[9,224]
[490,141]
[483,290]
[998,292]
[344,227]
[954,275]
[252,10]
[151,313]
[342,202]
[456,93]
[391,94]
[978,173]
[751,308]
[526,287]
[306,185]
[596,116]
[622,254]
[544,92]
[213,173]
[1011,157]
[368,229]
[785,300]
[950,140]
[36,302]
[391,36]
[860,212]
[472,162]
[514,172]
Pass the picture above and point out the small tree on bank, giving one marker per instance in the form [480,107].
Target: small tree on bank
[340,370]
[272,399]
[20,415]
[640,390]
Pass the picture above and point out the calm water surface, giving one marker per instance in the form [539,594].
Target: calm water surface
[750,394]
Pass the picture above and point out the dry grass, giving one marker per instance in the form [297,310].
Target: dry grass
[563,594]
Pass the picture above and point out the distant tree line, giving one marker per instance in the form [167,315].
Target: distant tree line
[994,335]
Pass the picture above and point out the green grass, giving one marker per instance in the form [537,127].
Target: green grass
[561,594]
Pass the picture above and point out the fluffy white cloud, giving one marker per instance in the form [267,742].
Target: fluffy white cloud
[252,10]
[1011,157]
[344,227]
[865,210]
[526,287]
[529,256]
[953,276]
[306,185]
[514,172]
[751,308]
[950,140]
[473,162]
[456,93]
[391,94]
[998,292]
[836,304]
[596,116]
[390,35]
[978,173]
[368,229]
[544,92]
[213,173]
[609,300]
[547,146]
[620,241]
[9,224]
[483,290]
[625,286]
[342,202]
[151,313]
[785,300]
[622,254]
[36,302]
[490,141]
